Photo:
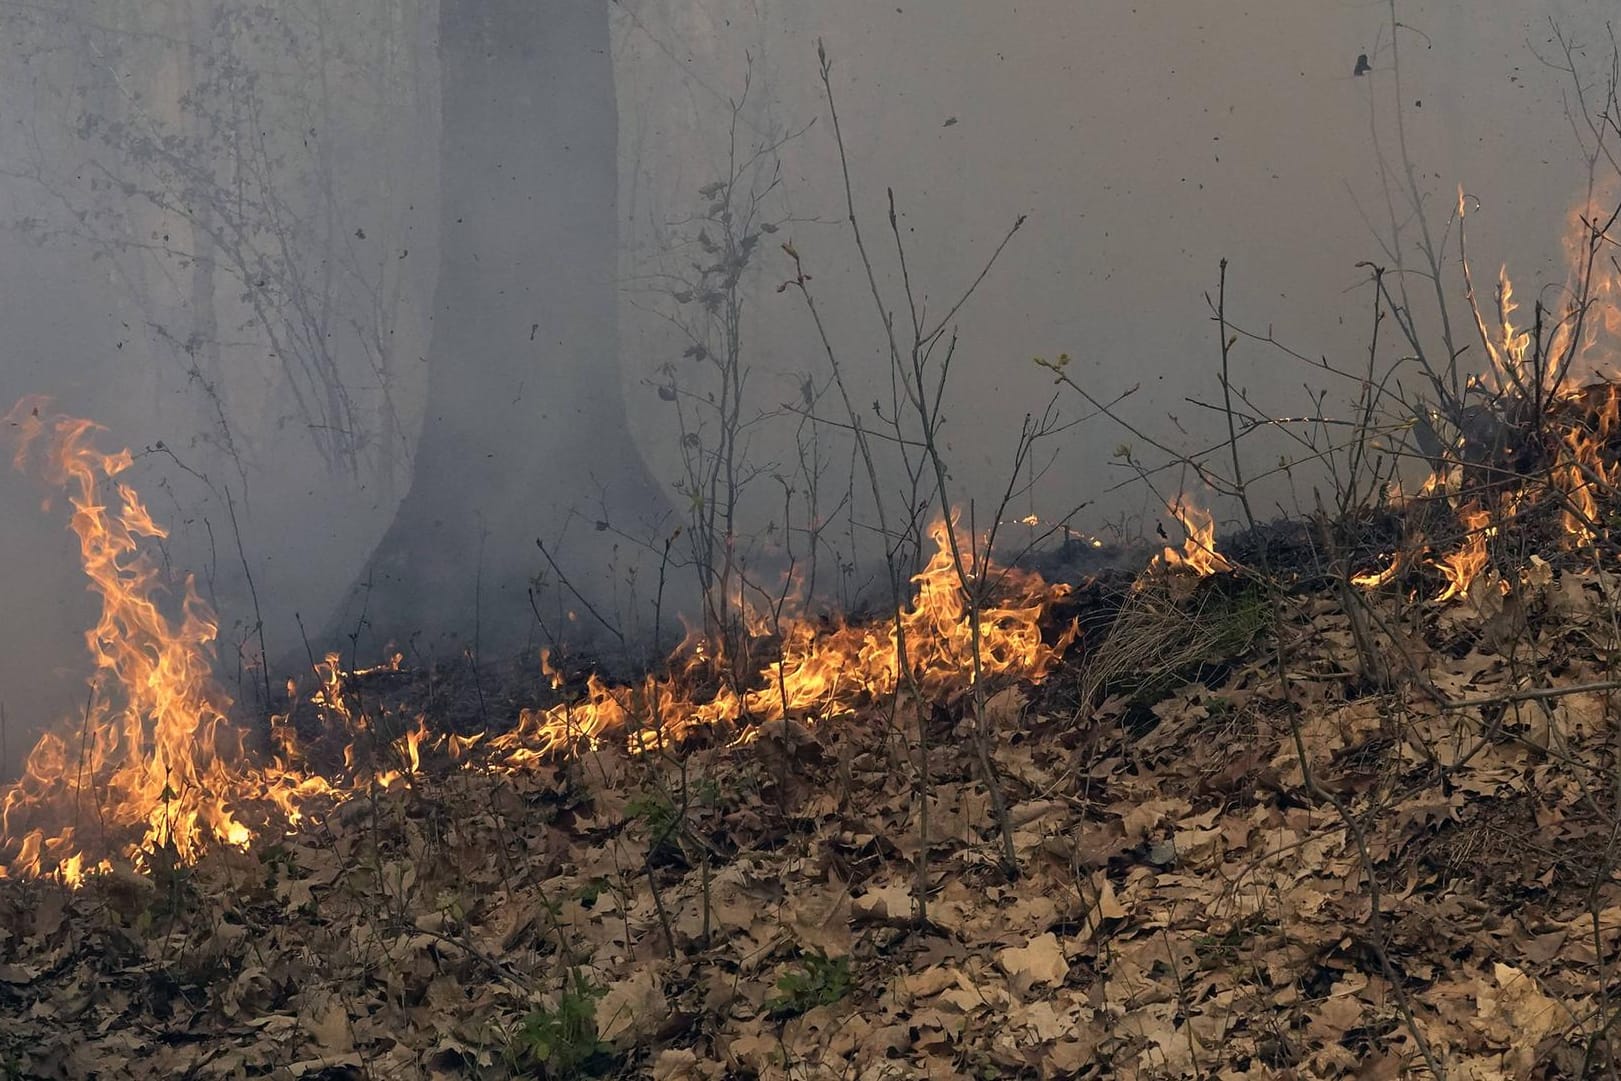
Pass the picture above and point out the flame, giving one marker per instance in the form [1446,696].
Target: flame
[1589,244]
[1376,579]
[1581,342]
[554,678]
[1198,553]
[1507,345]
[1585,469]
[1581,474]
[822,670]
[149,766]
[407,750]
[155,769]
[1463,566]
[1573,457]
[154,773]
[1576,346]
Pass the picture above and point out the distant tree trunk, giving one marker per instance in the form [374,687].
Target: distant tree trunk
[524,436]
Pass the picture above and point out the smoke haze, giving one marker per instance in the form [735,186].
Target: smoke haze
[231,263]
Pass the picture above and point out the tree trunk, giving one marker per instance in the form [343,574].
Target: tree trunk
[524,436]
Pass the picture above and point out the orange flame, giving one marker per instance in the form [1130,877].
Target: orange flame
[1580,342]
[1576,345]
[155,767]
[148,768]
[1376,579]
[1198,553]
[1589,244]
[1585,470]
[824,670]
[1462,567]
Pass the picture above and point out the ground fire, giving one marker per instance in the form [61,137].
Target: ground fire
[1291,749]
[157,769]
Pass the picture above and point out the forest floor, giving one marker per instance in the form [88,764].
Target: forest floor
[1187,900]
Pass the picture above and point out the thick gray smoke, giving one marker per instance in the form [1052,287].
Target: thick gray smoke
[226,226]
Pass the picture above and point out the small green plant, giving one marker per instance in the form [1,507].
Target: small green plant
[1235,621]
[655,809]
[451,905]
[561,1041]
[666,826]
[820,980]
[588,892]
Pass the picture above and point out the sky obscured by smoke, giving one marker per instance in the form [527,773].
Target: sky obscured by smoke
[1146,143]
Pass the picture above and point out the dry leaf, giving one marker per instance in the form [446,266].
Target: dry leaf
[682,1064]
[820,918]
[631,1009]
[887,903]
[1516,1015]
[328,1025]
[1040,961]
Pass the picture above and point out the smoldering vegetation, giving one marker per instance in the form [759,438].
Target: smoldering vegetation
[229,247]
[1144,576]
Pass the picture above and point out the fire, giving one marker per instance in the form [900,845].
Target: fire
[1582,339]
[1595,280]
[1585,469]
[822,671]
[155,772]
[1507,345]
[1462,567]
[1571,444]
[1376,579]
[150,766]
[1198,553]
[1581,474]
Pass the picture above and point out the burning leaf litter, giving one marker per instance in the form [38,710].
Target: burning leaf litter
[751,910]
[579,897]
[156,765]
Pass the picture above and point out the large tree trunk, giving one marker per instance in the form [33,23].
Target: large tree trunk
[524,436]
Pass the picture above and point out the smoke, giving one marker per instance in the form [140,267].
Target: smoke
[1145,144]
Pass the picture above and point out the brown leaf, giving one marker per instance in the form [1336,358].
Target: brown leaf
[884,904]
[631,1009]
[329,1027]
[1039,961]
[820,918]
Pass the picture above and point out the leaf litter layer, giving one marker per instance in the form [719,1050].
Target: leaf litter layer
[1187,902]
[1259,822]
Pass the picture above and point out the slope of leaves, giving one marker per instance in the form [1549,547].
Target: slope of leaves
[1188,904]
